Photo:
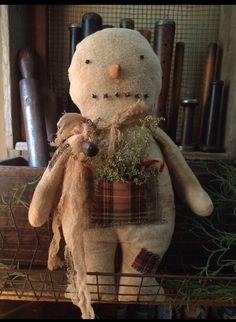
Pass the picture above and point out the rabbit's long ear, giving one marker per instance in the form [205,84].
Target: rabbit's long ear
[186,185]
[48,188]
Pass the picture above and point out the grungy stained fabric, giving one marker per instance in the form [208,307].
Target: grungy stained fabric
[64,191]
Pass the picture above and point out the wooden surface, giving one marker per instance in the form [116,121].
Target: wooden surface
[196,155]
[13,176]
[227,40]
[17,32]
[19,240]
[3,149]
[39,21]
[21,147]
[13,161]
[6,81]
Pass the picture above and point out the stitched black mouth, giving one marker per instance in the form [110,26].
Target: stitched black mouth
[119,95]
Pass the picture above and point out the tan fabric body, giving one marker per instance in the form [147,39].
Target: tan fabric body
[101,243]
[64,189]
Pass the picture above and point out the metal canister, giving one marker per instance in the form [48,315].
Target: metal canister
[195,312]
[227,313]
[91,22]
[213,126]
[121,311]
[127,23]
[164,312]
[75,31]
[141,311]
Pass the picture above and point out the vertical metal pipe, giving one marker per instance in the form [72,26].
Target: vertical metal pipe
[210,67]
[127,23]
[107,26]
[91,22]
[35,128]
[213,118]
[163,46]
[187,129]
[33,109]
[176,90]
[146,34]
[75,31]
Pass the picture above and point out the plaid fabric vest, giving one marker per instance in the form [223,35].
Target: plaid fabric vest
[117,203]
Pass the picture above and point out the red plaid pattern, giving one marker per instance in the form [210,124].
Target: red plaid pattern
[146,262]
[117,203]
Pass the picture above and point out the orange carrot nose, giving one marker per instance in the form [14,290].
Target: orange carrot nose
[114,71]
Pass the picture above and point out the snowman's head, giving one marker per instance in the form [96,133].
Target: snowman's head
[112,69]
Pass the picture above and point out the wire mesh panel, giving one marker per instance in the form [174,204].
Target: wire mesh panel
[21,246]
[196,26]
[179,290]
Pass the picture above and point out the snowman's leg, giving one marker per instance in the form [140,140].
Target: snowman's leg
[100,247]
[143,247]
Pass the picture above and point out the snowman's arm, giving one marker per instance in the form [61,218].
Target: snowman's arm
[186,185]
[47,193]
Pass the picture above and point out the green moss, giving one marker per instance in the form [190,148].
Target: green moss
[131,150]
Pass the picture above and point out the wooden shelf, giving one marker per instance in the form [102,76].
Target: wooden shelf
[197,155]
[193,155]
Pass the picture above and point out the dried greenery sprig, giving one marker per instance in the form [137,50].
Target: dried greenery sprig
[16,197]
[131,150]
[223,185]
[218,243]
[14,200]
[201,289]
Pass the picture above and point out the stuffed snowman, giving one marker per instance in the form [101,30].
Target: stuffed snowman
[125,194]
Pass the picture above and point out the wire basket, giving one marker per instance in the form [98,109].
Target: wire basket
[23,258]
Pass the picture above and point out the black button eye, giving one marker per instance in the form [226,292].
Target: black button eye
[141,57]
[87,61]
